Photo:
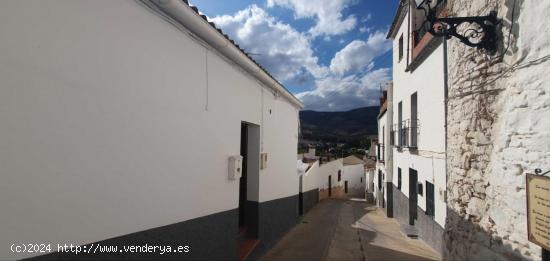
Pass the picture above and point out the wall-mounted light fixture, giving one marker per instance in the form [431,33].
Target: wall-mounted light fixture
[480,34]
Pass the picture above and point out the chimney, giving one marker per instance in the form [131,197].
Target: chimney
[311,152]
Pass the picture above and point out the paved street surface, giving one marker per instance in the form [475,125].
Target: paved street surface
[348,230]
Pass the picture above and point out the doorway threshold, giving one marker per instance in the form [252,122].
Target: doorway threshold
[246,246]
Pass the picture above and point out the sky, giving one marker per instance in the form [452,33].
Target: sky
[331,54]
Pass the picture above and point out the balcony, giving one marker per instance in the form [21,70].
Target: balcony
[380,153]
[407,134]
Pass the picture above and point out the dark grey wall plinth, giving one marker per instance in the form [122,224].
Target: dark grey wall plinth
[430,231]
[389,196]
[276,218]
[400,206]
[212,237]
[252,219]
[311,198]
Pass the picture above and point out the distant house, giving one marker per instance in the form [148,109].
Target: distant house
[371,153]
[139,122]
[382,185]
[354,177]
[342,178]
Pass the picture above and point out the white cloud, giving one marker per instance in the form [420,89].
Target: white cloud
[288,54]
[366,18]
[327,13]
[282,50]
[364,29]
[358,55]
[344,93]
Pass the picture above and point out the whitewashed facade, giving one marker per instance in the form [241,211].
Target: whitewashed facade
[418,131]
[498,131]
[117,123]
[353,177]
[380,176]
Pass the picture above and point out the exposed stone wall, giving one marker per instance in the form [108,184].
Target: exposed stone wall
[498,130]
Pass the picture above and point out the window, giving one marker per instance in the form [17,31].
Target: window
[399,178]
[400,48]
[339,175]
[379,179]
[392,136]
[414,121]
[400,124]
[378,152]
[430,206]
[420,190]
[382,151]
[383,134]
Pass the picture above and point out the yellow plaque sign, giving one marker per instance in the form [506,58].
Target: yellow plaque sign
[538,210]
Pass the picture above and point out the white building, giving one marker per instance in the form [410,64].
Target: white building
[382,179]
[353,178]
[418,182]
[118,121]
[309,188]
[329,179]
[341,178]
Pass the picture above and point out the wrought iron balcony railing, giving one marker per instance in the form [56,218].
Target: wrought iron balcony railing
[380,153]
[407,134]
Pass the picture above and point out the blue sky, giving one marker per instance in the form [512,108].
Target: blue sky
[332,54]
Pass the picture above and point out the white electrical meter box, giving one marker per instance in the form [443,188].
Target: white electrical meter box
[263,160]
[235,167]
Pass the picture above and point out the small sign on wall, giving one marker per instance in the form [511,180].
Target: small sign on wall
[263,160]
[235,167]
[538,210]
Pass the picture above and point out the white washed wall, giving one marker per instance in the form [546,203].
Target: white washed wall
[311,178]
[370,176]
[427,80]
[329,169]
[353,174]
[497,133]
[107,127]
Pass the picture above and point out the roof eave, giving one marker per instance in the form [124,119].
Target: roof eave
[398,18]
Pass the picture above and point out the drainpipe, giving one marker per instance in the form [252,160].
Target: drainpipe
[446,104]
[183,14]
[408,37]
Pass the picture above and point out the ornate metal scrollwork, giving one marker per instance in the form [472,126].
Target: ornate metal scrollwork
[483,36]
[480,34]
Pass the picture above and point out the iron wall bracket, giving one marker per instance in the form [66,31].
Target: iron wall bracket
[483,36]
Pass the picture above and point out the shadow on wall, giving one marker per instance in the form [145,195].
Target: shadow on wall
[514,8]
[465,240]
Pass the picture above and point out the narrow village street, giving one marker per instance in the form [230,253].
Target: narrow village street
[348,230]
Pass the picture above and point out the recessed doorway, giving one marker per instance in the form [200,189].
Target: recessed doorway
[248,215]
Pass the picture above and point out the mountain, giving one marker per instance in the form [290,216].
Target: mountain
[342,127]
